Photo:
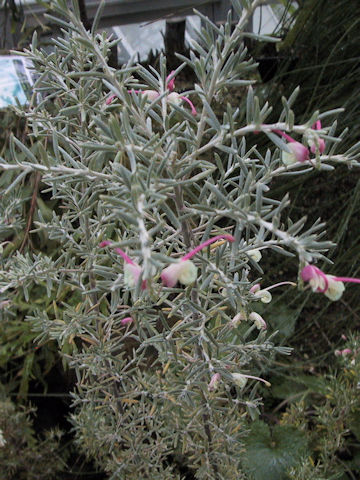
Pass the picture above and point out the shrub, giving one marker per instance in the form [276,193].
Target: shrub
[162,211]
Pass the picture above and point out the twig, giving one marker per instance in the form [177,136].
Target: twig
[31,211]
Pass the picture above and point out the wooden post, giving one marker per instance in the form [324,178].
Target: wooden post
[217,11]
[11,21]
[174,40]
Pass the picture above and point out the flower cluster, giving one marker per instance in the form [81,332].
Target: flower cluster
[171,98]
[183,270]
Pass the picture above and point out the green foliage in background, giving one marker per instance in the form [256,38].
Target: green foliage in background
[23,455]
[329,416]
[271,452]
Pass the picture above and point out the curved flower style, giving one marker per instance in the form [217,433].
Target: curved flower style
[185,271]
[240,379]
[332,286]
[263,294]
[172,97]
[299,153]
[170,81]
[132,270]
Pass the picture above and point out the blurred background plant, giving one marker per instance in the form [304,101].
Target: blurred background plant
[23,454]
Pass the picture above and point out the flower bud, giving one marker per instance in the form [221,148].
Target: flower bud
[320,143]
[126,321]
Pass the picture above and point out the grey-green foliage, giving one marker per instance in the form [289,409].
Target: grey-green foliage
[158,181]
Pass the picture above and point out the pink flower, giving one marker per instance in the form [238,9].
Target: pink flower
[176,99]
[240,379]
[320,143]
[299,153]
[126,321]
[343,353]
[214,382]
[110,99]
[132,270]
[332,286]
[239,317]
[185,271]
[263,294]
[151,95]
